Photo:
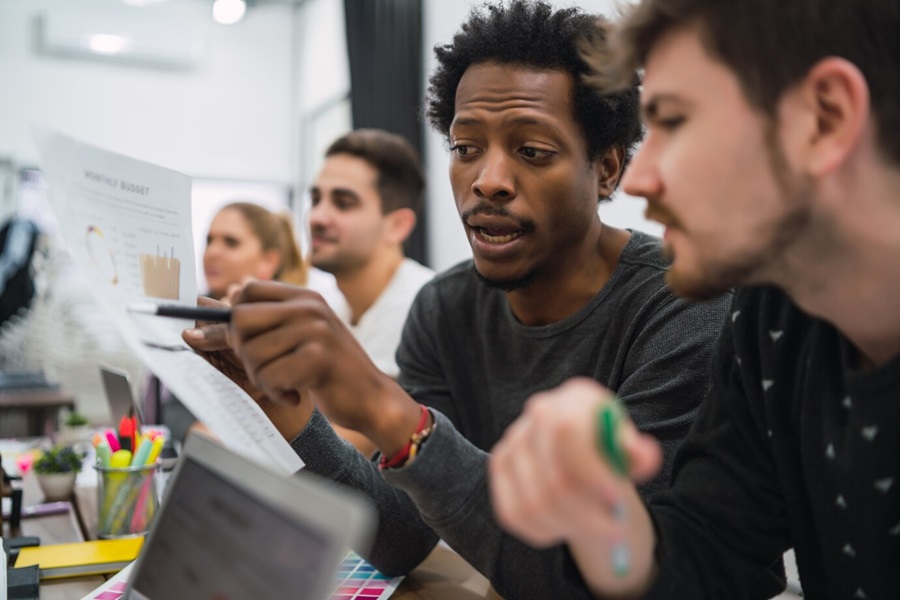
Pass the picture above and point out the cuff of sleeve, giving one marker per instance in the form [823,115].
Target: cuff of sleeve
[446,472]
[320,447]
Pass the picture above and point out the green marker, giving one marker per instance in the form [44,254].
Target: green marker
[609,442]
[609,416]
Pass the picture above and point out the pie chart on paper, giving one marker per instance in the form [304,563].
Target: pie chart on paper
[101,255]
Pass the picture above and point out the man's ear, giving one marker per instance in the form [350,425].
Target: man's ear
[609,171]
[399,224]
[835,96]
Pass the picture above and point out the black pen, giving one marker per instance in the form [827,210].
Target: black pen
[195,313]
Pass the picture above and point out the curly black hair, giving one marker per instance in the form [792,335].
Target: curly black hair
[533,34]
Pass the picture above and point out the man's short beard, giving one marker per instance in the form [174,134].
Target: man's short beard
[717,277]
[507,285]
[711,282]
[337,267]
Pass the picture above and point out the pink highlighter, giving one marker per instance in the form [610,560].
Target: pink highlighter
[113,441]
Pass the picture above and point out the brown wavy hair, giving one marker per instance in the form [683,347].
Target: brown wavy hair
[275,231]
[770,45]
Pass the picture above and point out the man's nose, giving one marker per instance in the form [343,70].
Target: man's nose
[641,178]
[319,215]
[495,179]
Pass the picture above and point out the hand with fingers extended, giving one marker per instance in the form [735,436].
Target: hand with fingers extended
[551,482]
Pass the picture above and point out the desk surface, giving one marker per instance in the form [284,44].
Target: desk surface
[443,575]
[55,529]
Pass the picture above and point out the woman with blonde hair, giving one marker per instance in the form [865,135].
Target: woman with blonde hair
[246,240]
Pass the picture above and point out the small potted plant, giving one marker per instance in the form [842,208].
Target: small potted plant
[74,429]
[56,470]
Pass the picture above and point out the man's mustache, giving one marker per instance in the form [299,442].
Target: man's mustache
[321,232]
[492,210]
[662,215]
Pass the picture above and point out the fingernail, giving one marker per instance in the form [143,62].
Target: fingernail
[195,333]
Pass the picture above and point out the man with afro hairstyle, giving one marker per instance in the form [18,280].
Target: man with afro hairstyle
[551,293]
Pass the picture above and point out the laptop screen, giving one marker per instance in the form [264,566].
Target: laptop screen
[229,529]
[199,548]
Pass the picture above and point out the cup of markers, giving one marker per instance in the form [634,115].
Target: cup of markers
[127,498]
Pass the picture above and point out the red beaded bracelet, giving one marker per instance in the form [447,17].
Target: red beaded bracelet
[411,447]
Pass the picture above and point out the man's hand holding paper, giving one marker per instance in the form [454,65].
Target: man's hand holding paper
[293,348]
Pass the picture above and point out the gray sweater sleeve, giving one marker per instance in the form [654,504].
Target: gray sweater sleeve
[402,540]
[448,482]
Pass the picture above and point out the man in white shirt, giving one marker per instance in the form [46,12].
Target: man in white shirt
[364,205]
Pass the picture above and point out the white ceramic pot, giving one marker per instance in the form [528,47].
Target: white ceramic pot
[57,486]
[69,436]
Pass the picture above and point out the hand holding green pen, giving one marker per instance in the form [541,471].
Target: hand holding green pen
[609,442]
[565,472]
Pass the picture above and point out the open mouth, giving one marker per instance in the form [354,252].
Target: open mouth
[495,230]
[498,236]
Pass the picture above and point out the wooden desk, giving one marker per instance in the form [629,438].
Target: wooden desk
[444,574]
[54,529]
[441,576]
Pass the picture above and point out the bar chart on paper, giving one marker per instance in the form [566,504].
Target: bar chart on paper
[160,275]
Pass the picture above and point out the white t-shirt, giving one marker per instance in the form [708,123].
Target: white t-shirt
[378,330]
[324,283]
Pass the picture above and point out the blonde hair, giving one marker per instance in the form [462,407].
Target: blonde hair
[275,231]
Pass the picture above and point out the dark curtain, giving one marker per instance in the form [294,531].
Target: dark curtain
[384,42]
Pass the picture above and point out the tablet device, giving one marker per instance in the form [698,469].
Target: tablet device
[229,528]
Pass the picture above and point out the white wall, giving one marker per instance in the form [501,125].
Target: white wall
[448,243]
[240,112]
[228,117]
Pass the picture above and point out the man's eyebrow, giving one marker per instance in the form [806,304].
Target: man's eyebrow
[527,120]
[346,192]
[338,191]
[650,108]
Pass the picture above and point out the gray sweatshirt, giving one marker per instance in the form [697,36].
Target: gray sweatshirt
[464,355]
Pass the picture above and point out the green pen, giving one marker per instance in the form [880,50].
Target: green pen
[609,418]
